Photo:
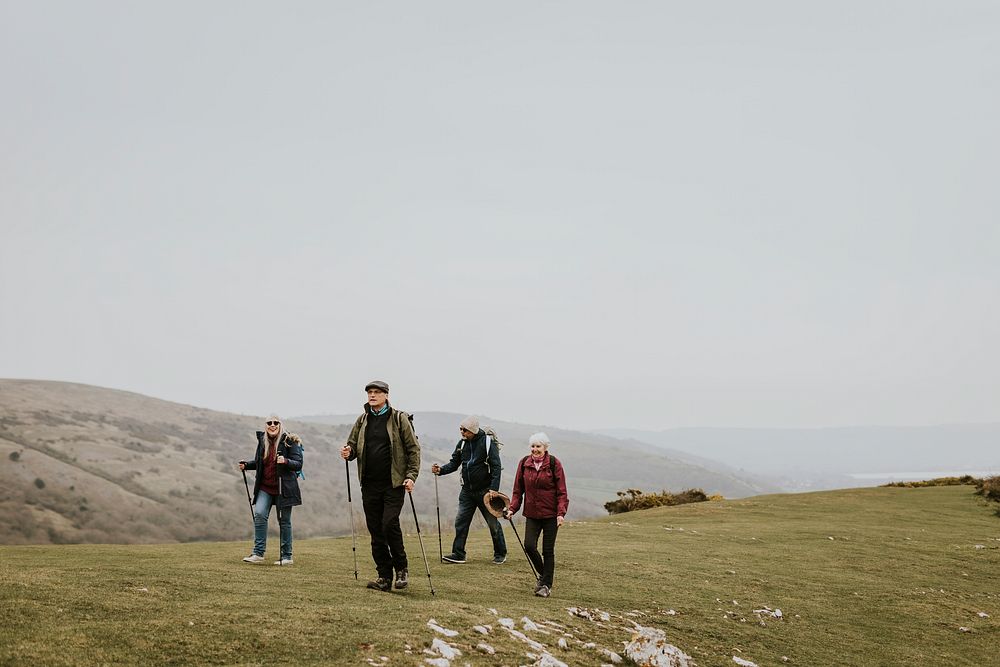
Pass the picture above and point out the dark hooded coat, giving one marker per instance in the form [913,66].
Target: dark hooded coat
[289,446]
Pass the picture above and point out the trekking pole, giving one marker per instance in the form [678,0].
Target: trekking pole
[277,513]
[421,540]
[354,538]
[533,571]
[249,499]
[437,504]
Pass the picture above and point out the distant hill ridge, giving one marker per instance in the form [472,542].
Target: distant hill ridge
[89,464]
[835,452]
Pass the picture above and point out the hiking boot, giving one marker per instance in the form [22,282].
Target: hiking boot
[380,584]
[401,578]
[499,560]
[283,561]
[543,591]
[253,558]
[453,558]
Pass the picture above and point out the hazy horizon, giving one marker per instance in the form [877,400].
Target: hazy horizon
[581,214]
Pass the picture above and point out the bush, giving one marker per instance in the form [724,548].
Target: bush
[142,448]
[938,481]
[989,487]
[634,499]
[39,482]
[15,456]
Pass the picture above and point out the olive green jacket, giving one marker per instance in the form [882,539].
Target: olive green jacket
[403,446]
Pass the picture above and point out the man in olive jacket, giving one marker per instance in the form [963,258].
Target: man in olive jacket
[388,455]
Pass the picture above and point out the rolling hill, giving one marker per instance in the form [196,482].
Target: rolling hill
[87,464]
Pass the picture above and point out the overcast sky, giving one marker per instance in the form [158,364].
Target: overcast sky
[585,214]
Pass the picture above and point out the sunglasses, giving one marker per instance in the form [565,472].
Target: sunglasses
[273,423]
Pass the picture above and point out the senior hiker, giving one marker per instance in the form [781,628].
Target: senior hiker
[477,454]
[541,483]
[277,460]
[388,456]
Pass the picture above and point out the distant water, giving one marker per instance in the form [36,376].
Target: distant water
[917,476]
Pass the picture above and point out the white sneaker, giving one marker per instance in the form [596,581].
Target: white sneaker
[283,561]
[253,558]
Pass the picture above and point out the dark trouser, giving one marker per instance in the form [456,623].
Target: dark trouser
[382,505]
[545,563]
[468,501]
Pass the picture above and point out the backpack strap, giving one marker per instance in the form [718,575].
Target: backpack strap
[553,461]
[489,470]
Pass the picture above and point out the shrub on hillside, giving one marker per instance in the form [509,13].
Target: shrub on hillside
[634,499]
[938,481]
[143,448]
[989,487]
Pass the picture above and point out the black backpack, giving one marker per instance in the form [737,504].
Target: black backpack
[553,462]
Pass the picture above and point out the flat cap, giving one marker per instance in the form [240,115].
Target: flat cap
[377,384]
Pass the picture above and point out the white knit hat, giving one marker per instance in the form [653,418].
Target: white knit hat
[470,424]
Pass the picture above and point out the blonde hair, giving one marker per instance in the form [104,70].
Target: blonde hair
[277,438]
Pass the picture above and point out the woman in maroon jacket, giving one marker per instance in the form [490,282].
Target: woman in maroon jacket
[540,481]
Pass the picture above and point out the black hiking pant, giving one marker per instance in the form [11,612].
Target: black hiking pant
[382,505]
[545,563]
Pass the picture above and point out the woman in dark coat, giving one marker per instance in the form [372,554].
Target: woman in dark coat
[277,460]
[541,482]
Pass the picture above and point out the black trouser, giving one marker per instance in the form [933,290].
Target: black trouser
[545,563]
[382,505]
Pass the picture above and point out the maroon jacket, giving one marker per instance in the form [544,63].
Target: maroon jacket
[543,498]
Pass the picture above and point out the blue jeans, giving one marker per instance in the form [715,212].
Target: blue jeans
[468,502]
[261,510]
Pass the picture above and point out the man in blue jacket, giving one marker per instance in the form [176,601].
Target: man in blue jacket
[478,456]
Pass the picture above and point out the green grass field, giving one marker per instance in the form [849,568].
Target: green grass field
[899,578]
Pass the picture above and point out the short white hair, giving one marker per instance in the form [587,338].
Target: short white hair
[540,438]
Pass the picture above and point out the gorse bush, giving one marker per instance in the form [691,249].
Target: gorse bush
[938,481]
[634,499]
[989,487]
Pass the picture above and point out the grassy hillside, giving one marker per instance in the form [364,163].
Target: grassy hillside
[862,577]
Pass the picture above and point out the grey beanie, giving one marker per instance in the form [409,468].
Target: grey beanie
[470,424]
